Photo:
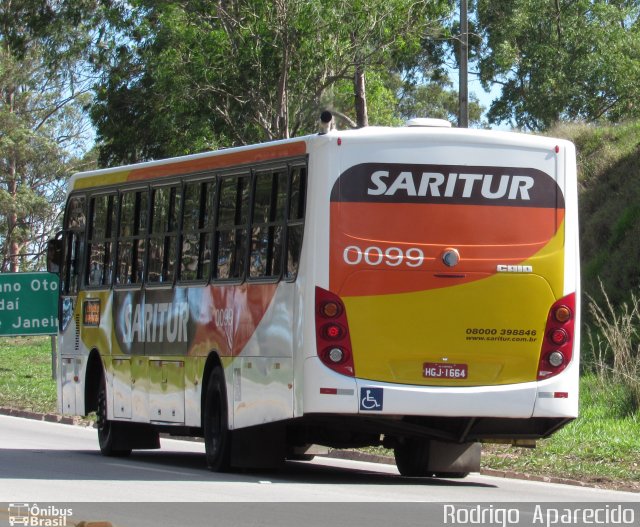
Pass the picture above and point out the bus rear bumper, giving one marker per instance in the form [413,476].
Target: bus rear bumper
[328,392]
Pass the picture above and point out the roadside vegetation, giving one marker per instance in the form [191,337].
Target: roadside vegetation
[25,374]
[609,201]
[601,447]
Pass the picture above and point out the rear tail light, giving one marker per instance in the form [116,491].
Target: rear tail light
[556,359]
[562,314]
[336,355]
[557,346]
[332,333]
[329,309]
[558,336]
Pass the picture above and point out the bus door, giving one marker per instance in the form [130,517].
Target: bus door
[73,240]
[164,313]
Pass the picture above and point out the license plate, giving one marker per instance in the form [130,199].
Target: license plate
[443,370]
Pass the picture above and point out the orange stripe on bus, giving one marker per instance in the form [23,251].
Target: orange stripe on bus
[213,162]
[375,238]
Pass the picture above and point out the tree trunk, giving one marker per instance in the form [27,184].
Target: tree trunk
[362,118]
[12,245]
[281,117]
[282,124]
[12,220]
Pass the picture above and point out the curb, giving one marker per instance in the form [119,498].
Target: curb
[350,455]
[49,418]
[507,474]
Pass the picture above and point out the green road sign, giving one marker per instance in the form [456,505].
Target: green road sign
[28,304]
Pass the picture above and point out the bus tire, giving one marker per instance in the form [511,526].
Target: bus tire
[110,433]
[412,458]
[217,437]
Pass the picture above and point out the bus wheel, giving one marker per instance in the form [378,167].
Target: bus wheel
[217,437]
[109,432]
[412,457]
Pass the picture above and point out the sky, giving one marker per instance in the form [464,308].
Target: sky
[484,97]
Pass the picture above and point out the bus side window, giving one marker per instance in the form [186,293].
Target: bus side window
[75,224]
[102,217]
[163,234]
[295,220]
[197,236]
[232,226]
[267,229]
[131,240]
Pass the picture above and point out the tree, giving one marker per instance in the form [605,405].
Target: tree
[196,75]
[203,74]
[42,128]
[393,99]
[561,60]
[436,99]
[386,39]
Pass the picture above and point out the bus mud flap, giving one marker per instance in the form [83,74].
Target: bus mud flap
[261,446]
[454,457]
[135,436]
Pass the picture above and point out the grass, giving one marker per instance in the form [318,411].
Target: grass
[25,374]
[602,446]
[614,347]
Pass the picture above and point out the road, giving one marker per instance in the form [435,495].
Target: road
[58,464]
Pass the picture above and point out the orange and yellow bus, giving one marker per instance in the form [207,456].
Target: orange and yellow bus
[413,287]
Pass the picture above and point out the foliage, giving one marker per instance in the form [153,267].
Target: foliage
[560,60]
[386,37]
[437,100]
[609,193]
[615,345]
[600,446]
[42,128]
[185,77]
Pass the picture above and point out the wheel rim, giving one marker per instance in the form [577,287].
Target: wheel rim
[216,434]
[104,428]
[216,426]
[101,413]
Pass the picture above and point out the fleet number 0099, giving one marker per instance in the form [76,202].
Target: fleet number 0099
[391,256]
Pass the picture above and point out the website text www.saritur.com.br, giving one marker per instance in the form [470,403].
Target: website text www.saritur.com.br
[502,339]
[501,335]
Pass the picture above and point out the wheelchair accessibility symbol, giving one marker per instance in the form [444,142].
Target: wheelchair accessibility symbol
[371,399]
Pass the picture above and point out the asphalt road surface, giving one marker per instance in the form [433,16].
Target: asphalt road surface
[57,467]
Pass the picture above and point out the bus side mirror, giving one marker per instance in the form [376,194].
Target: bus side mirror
[54,253]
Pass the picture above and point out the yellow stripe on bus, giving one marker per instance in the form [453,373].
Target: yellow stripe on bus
[494,325]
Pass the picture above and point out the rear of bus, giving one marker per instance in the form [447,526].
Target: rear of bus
[450,300]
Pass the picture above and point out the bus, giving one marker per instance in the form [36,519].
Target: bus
[415,288]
